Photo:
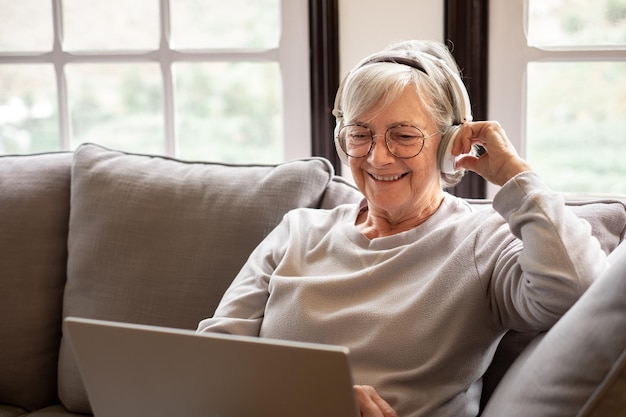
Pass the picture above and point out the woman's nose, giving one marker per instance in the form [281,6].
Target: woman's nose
[380,154]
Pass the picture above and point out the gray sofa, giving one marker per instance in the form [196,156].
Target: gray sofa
[136,238]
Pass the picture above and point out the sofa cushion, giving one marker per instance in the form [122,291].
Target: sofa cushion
[10,411]
[339,191]
[579,367]
[34,214]
[157,241]
[607,219]
[54,411]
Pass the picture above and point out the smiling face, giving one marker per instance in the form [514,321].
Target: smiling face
[399,189]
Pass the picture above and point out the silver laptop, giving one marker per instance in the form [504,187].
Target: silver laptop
[147,371]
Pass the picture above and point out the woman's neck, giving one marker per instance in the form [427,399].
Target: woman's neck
[374,223]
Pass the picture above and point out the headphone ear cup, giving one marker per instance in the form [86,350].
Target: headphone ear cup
[445,159]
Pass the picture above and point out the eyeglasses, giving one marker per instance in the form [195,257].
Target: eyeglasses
[403,141]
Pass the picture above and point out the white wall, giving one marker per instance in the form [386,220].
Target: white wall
[367,26]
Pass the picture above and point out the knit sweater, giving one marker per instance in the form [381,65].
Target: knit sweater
[421,311]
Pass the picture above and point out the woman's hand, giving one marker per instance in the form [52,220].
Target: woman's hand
[500,163]
[371,404]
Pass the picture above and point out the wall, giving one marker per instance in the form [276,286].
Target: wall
[367,26]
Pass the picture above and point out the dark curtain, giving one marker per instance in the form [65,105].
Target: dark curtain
[324,41]
[466,31]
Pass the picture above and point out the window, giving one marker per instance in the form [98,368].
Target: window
[197,79]
[558,86]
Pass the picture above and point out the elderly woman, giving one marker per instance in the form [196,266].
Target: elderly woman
[418,285]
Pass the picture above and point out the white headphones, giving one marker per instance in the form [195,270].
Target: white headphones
[445,159]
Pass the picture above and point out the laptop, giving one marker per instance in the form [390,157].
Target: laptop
[148,371]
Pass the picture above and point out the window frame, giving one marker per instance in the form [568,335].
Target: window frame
[509,56]
[292,55]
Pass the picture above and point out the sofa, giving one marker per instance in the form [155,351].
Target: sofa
[109,235]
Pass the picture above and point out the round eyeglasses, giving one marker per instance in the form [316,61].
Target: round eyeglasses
[403,141]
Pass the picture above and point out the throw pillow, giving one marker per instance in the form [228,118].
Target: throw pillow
[157,241]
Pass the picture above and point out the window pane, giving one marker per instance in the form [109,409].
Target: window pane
[25,26]
[117,105]
[229,112]
[205,24]
[576,23]
[576,125]
[28,109]
[111,25]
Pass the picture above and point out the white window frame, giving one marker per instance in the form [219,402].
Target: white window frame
[292,55]
[509,56]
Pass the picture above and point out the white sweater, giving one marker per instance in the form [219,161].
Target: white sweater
[421,311]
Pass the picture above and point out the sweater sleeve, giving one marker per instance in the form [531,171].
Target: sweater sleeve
[242,307]
[538,279]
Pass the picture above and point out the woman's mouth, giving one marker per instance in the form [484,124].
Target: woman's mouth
[387,177]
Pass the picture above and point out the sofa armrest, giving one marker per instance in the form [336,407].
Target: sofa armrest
[579,367]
